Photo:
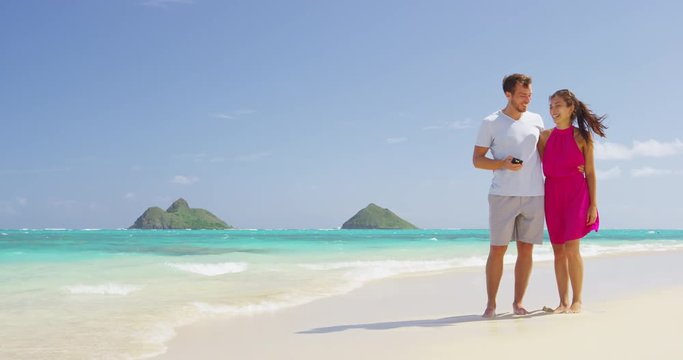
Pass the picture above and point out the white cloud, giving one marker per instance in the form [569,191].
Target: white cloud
[453,125]
[460,124]
[649,148]
[232,115]
[184,180]
[252,157]
[130,196]
[612,173]
[223,116]
[22,201]
[653,148]
[612,151]
[396,140]
[648,171]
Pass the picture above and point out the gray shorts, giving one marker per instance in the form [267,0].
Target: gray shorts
[516,218]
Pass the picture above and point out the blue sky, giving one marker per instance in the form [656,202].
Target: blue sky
[296,114]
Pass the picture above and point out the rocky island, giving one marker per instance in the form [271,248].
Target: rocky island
[179,216]
[375,217]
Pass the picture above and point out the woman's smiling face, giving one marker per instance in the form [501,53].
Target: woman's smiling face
[560,112]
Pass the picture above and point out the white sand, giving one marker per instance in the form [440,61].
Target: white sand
[631,311]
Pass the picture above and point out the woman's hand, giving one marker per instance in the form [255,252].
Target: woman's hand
[592,215]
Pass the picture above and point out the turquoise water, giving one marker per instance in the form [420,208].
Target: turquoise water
[120,294]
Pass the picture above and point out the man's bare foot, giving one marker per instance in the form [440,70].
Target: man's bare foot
[519,310]
[575,308]
[489,313]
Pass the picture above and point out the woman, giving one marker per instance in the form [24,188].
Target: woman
[571,209]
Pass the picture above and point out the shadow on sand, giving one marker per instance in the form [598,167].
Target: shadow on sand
[448,321]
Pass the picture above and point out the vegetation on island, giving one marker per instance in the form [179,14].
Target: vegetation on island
[376,217]
[179,216]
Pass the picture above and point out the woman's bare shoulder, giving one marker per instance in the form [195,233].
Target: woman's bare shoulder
[580,140]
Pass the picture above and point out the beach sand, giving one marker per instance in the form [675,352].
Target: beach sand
[631,311]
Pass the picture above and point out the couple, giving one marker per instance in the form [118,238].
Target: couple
[519,200]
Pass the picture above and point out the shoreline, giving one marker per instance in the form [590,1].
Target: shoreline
[437,315]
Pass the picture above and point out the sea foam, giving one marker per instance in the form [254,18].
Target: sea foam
[210,269]
[102,289]
[259,307]
[206,308]
[373,270]
[598,249]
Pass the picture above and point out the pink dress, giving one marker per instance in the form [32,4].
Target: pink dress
[566,190]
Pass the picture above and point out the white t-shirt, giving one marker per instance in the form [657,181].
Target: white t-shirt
[505,137]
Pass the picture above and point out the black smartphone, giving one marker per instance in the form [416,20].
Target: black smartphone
[516,160]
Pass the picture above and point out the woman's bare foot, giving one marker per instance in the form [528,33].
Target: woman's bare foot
[558,310]
[518,309]
[562,309]
[489,313]
[575,308]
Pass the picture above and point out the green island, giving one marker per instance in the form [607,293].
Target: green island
[376,217]
[179,216]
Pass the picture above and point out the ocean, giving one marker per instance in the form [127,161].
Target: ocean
[120,294]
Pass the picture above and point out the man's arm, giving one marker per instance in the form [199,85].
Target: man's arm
[480,161]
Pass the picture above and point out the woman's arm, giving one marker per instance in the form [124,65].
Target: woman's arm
[542,139]
[592,182]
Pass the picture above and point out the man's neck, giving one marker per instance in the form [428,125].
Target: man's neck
[512,113]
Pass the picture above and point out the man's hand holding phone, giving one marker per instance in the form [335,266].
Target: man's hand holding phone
[512,163]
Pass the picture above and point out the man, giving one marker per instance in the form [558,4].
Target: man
[516,210]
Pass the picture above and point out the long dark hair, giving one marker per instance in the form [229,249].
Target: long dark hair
[585,117]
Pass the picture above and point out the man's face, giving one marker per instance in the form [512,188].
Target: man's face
[520,97]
